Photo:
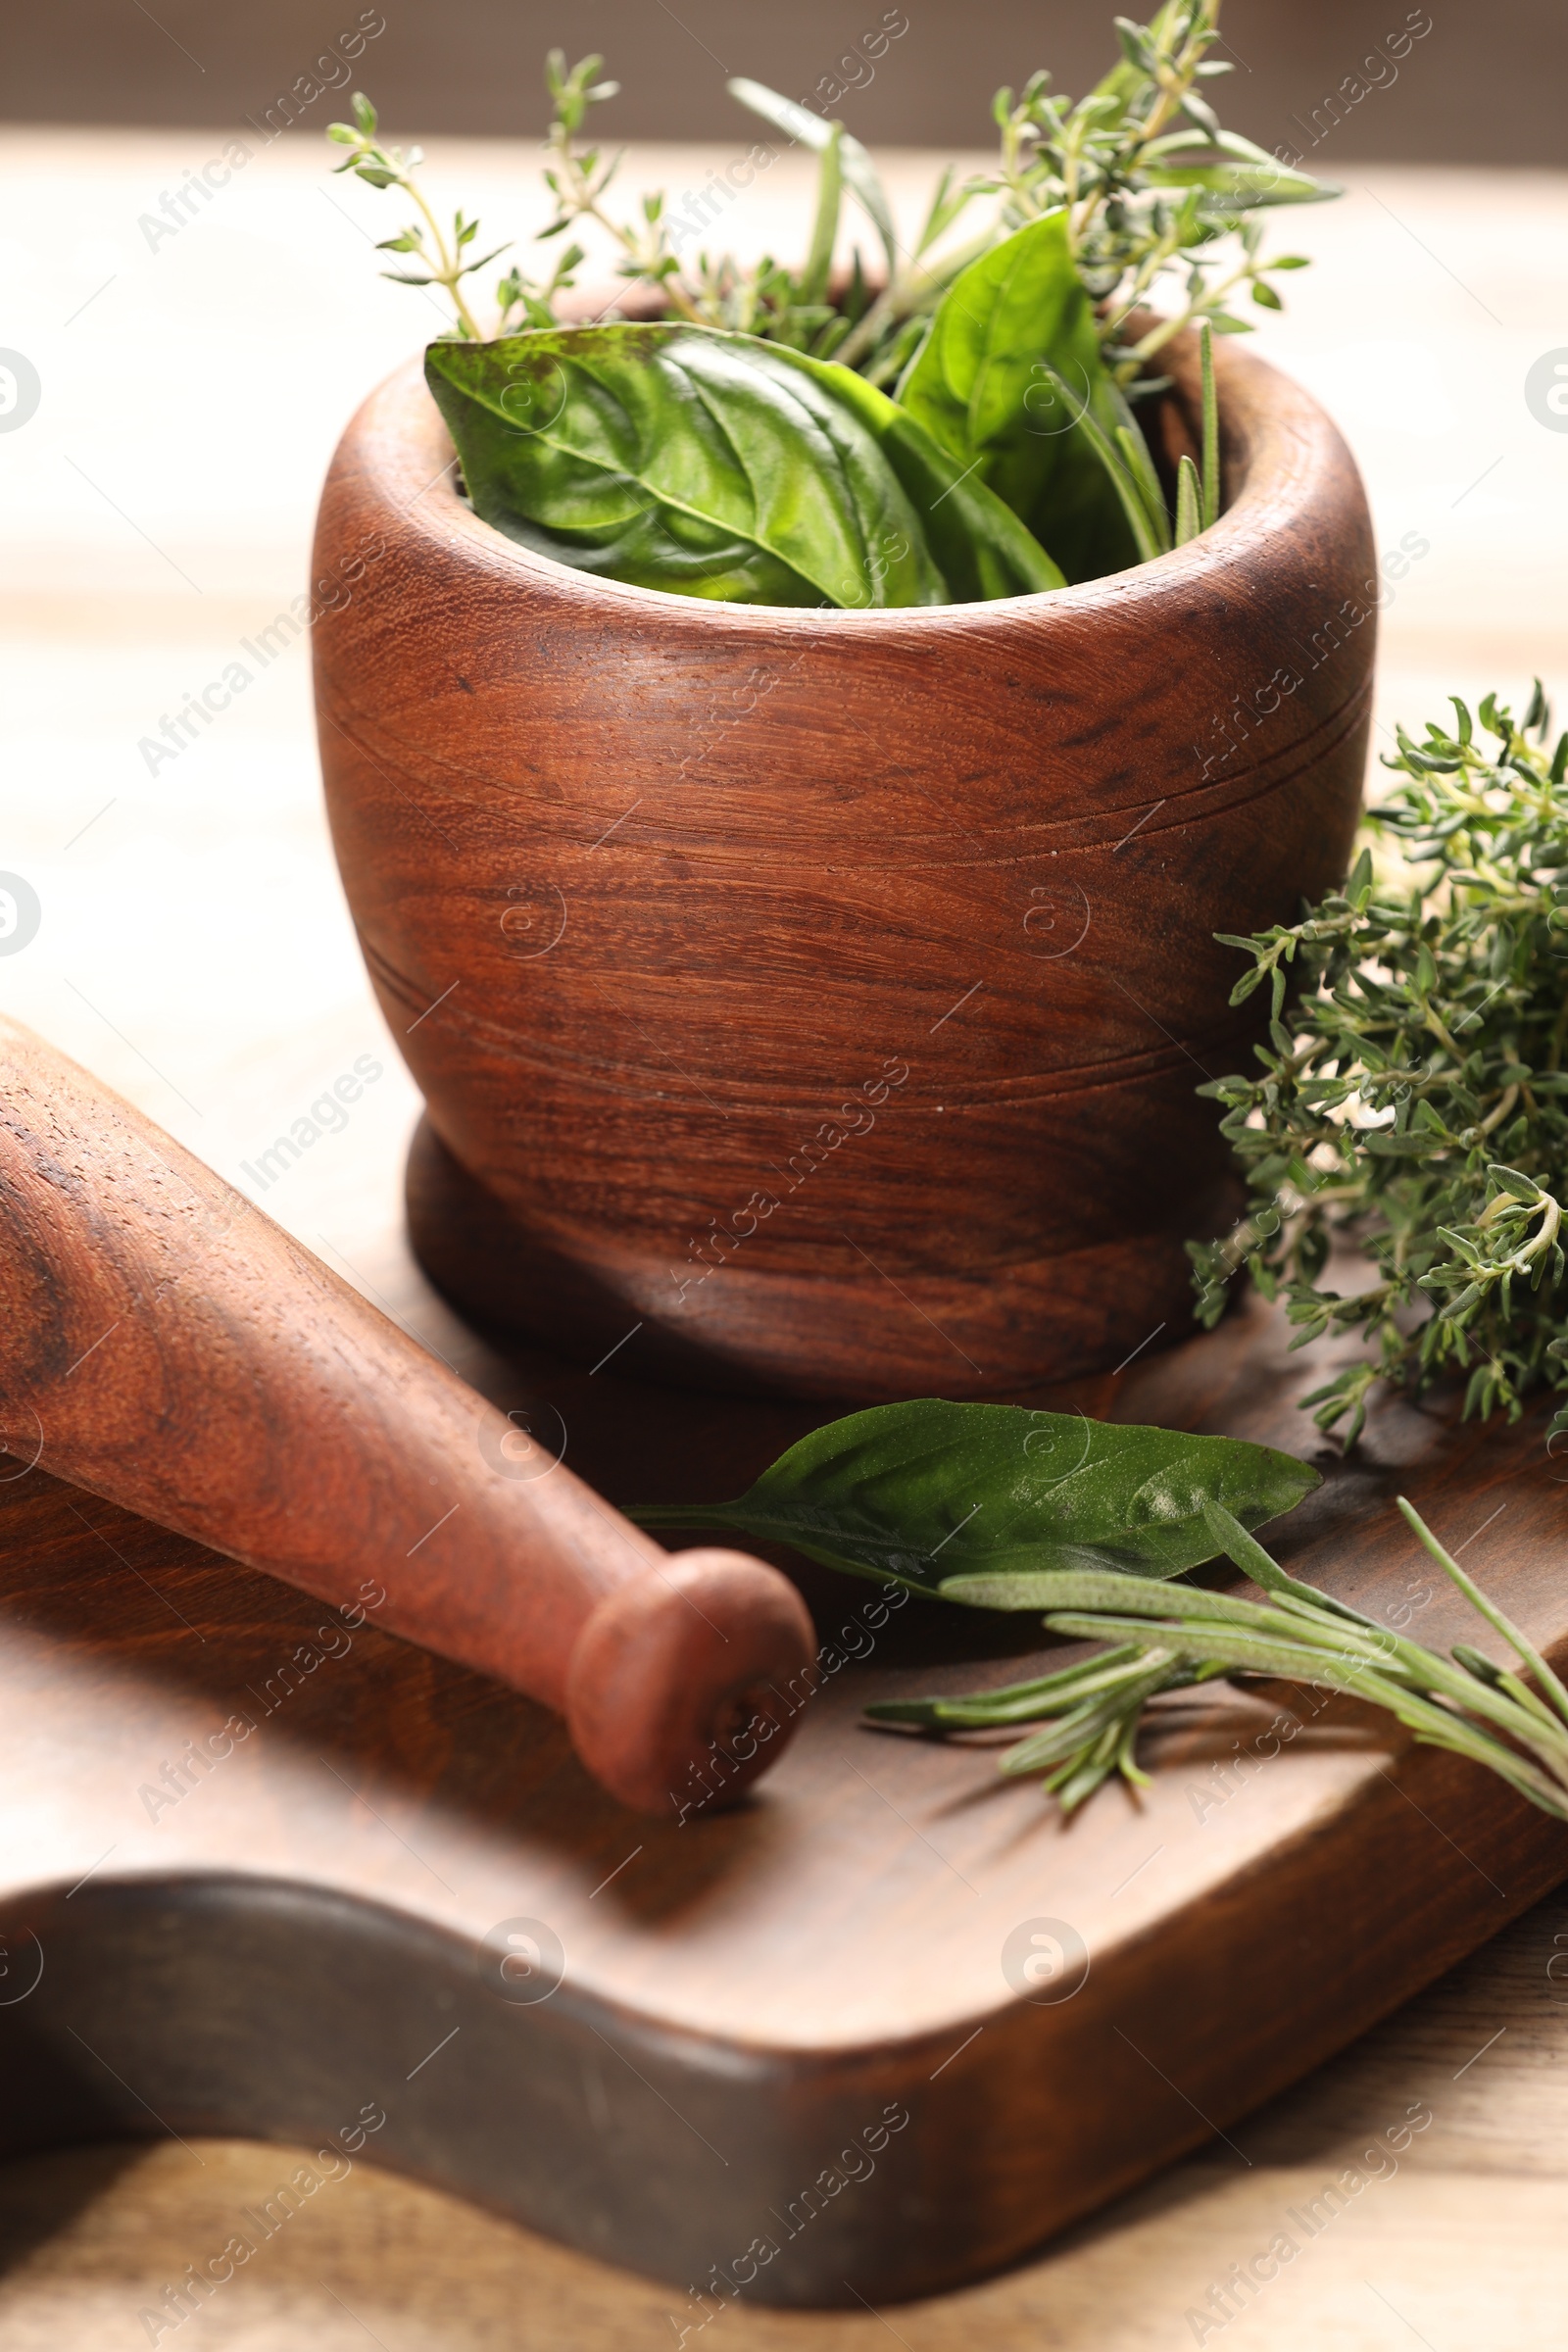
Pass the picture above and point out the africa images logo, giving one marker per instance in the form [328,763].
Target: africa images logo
[1546,391]
[1046,1961]
[19,913]
[20,390]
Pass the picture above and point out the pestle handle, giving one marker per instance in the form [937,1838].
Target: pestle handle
[168,1346]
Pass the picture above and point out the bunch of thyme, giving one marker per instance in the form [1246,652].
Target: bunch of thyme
[1413,1096]
[443,257]
[1167,1637]
[1150,183]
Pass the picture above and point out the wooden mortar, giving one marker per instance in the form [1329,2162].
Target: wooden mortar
[814,1000]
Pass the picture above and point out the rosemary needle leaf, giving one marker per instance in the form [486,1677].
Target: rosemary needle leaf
[1211,469]
[1016,1702]
[1189,503]
[1240,1545]
[1164,1636]
[1488,1609]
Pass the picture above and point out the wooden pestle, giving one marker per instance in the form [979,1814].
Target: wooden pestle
[169,1346]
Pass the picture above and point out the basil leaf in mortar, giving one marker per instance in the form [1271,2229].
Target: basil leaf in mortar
[713,464]
[979,384]
[921,1494]
[983,548]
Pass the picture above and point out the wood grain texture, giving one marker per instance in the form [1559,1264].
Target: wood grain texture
[1458,2237]
[856,955]
[168,1346]
[271,1932]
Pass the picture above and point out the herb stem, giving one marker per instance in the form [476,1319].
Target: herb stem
[1165,1634]
[451,266]
[1493,1119]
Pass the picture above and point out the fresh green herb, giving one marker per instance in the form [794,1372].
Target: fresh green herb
[719,466]
[1412,1098]
[1149,184]
[1004,380]
[1198,486]
[441,258]
[578,179]
[1170,1636]
[1016,351]
[860,172]
[1211,468]
[919,1493]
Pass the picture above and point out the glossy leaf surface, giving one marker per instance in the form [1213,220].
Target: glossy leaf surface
[922,1493]
[1011,363]
[713,464]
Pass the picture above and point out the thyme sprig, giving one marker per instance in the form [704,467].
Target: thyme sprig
[579,180]
[441,257]
[1151,182]
[1413,1097]
[1167,1637]
[1151,185]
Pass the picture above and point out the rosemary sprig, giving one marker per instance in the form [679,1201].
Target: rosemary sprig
[1167,1636]
[1414,1095]
[1124,454]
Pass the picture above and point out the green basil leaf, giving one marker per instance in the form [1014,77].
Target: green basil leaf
[715,464]
[982,386]
[983,548]
[921,1494]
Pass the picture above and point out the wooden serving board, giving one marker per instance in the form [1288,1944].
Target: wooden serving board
[790,2053]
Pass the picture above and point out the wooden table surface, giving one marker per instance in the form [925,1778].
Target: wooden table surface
[194,949]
